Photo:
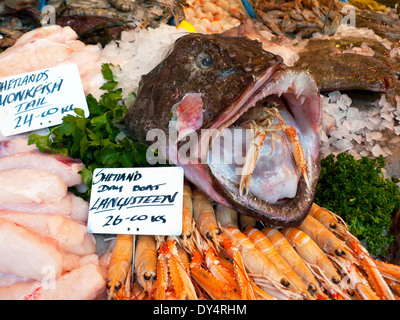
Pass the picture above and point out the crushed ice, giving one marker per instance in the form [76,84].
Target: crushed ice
[359,132]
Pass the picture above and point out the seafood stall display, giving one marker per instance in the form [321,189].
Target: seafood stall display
[284,116]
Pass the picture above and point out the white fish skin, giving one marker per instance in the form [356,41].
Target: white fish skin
[30,186]
[70,205]
[27,254]
[82,283]
[70,235]
[65,167]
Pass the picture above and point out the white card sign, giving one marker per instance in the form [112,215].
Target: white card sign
[40,99]
[136,201]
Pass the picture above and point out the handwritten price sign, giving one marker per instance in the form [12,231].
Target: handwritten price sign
[40,99]
[136,201]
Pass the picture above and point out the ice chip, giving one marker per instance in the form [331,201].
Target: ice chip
[372,112]
[356,125]
[332,109]
[387,116]
[373,135]
[387,107]
[324,137]
[343,145]
[341,105]
[346,99]
[375,120]
[324,100]
[387,124]
[387,150]
[382,101]
[377,151]
[340,132]
[347,124]
[352,113]
[334,96]
[357,138]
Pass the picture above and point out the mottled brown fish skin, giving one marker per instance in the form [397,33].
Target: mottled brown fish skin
[236,63]
[333,70]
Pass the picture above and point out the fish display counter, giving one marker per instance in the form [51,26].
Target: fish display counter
[199,150]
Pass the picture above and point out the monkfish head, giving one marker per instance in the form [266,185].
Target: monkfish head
[244,127]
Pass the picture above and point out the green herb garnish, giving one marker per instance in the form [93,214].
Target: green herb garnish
[357,191]
[93,139]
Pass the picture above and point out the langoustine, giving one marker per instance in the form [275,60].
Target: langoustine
[232,265]
[119,266]
[262,243]
[348,246]
[297,264]
[146,263]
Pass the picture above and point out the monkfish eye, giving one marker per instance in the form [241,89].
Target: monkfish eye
[203,60]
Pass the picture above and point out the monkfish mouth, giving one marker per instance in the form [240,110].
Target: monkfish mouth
[265,159]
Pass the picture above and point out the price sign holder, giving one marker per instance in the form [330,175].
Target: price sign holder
[40,99]
[136,201]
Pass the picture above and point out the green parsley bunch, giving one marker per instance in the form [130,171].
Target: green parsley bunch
[357,191]
[93,139]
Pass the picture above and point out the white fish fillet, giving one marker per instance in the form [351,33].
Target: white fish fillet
[64,167]
[71,205]
[27,254]
[51,46]
[83,283]
[8,279]
[16,145]
[70,235]
[30,186]
[20,291]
